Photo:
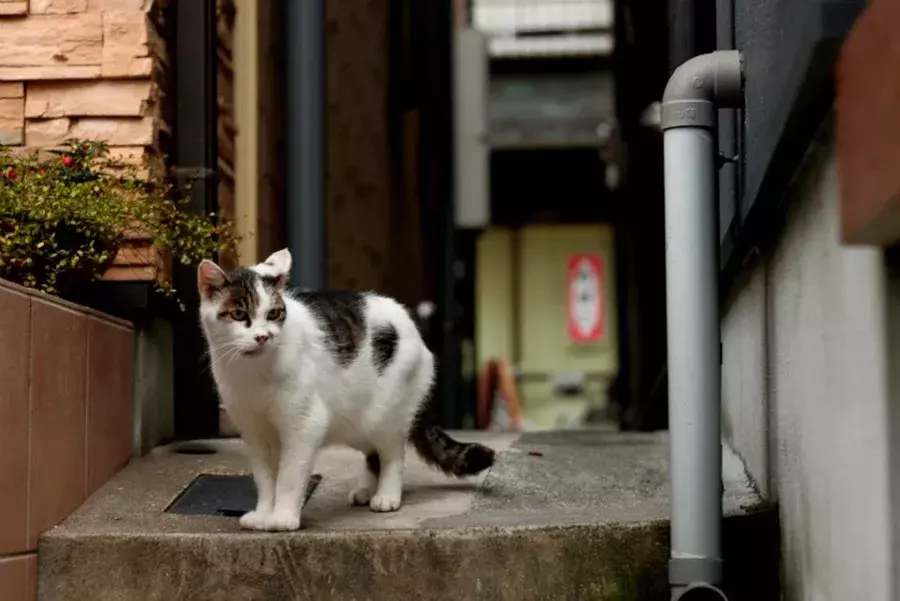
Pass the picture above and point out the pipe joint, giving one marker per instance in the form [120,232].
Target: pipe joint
[701,86]
[700,592]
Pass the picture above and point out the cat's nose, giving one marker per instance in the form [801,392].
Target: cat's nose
[261,339]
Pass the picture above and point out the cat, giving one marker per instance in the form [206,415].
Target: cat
[297,371]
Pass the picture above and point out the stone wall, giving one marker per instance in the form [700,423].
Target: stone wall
[87,69]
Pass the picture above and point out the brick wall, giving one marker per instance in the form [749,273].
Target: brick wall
[87,69]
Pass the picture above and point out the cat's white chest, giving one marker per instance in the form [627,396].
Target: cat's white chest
[251,386]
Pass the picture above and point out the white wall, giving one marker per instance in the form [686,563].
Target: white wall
[805,395]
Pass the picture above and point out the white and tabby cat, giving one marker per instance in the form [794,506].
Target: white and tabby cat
[300,370]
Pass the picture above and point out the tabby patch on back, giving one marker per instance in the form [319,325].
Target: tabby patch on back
[342,314]
[300,370]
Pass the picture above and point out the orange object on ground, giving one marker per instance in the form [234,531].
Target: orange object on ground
[495,376]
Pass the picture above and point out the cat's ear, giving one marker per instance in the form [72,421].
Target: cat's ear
[280,263]
[210,278]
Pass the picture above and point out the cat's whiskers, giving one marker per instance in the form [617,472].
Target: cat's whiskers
[217,348]
[225,354]
[233,354]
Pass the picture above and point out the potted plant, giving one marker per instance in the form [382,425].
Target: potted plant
[65,216]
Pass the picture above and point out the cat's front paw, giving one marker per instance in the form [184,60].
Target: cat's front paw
[282,521]
[253,520]
[384,503]
[361,495]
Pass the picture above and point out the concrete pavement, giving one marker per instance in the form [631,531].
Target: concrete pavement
[562,515]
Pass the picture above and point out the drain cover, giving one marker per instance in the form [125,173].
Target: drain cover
[231,496]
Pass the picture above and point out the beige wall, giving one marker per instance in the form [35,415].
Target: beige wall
[543,293]
[246,111]
[521,295]
[494,296]
[259,119]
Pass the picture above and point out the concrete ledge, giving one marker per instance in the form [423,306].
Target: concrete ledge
[573,562]
[570,515]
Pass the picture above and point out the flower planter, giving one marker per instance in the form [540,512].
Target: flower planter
[62,236]
[66,394]
[67,221]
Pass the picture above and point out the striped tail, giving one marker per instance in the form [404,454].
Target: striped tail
[450,456]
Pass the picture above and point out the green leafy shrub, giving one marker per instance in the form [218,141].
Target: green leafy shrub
[63,218]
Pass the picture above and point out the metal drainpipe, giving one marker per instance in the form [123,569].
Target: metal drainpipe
[305,140]
[689,115]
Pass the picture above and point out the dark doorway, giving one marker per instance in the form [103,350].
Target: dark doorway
[564,185]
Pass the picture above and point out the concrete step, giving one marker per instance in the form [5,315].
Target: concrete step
[562,515]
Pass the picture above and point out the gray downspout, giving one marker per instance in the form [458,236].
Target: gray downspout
[695,92]
[305,140]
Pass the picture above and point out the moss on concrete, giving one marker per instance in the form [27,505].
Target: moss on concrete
[619,562]
[604,563]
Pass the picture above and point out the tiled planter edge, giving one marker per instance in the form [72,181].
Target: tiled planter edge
[66,404]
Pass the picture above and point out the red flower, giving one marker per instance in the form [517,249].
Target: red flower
[11,174]
[43,171]
[67,161]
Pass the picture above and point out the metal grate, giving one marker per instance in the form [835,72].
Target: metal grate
[231,496]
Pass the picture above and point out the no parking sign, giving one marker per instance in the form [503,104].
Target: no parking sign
[586,306]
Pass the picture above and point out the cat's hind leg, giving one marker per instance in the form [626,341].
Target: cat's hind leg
[387,435]
[397,396]
[368,481]
[389,491]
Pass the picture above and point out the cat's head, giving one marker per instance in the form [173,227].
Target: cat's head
[244,311]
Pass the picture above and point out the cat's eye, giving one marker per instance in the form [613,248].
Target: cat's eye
[238,315]
[274,314]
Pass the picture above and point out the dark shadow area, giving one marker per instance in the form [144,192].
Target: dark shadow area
[563,185]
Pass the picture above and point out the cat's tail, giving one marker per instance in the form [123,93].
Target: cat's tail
[450,456]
